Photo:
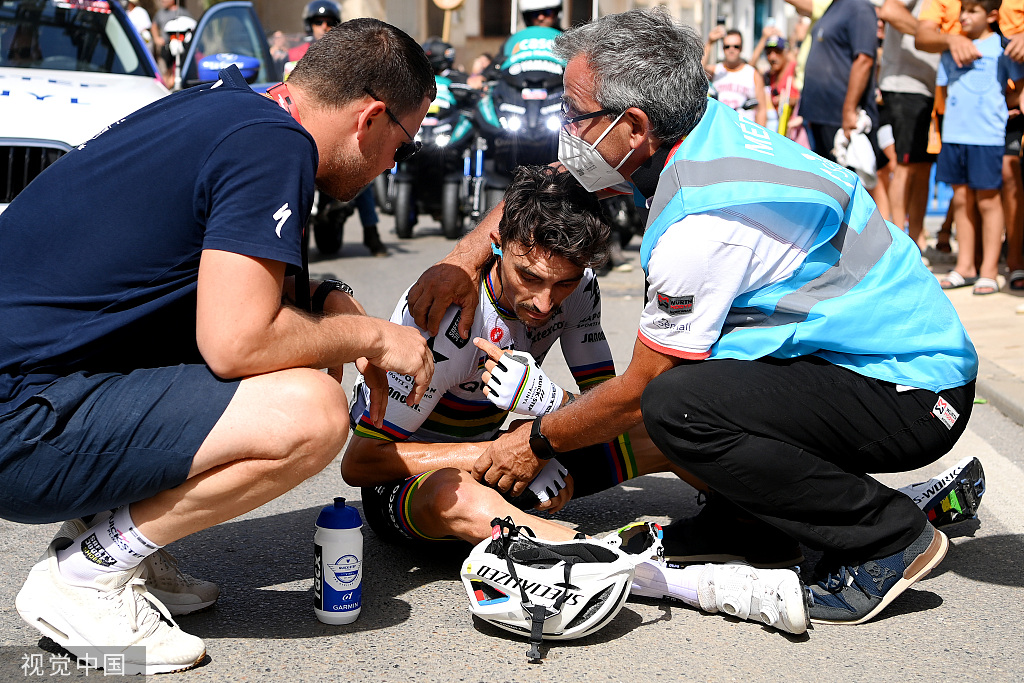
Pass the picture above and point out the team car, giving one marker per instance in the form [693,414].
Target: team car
[71,68]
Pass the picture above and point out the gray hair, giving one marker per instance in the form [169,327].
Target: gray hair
[643,59]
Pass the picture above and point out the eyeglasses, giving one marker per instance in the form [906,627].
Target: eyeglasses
[406,149]
[319,21]
[571,121]
[732,47]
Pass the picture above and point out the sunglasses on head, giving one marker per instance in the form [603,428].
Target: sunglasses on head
[406,149]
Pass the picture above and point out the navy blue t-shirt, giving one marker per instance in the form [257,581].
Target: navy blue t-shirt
[99,255]
[847,29]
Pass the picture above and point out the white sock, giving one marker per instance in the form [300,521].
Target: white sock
[111,544]
[681,583]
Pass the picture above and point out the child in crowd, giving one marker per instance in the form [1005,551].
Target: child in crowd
[973,137]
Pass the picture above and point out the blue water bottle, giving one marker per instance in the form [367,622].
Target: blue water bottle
[338,568]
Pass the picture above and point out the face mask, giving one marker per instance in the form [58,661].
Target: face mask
[586,163]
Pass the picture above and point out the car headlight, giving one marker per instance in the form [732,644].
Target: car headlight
[442,139]
[553,123]
[514,123]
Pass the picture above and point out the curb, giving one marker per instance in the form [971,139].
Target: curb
[1002,389]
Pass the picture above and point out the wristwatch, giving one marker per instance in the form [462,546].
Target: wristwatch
[325,288]
[539,443]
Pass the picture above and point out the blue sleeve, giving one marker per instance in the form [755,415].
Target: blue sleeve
[863,29]
[1009,70]
[255,191]
[941,77]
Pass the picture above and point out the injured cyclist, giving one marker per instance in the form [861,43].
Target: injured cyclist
[415,470]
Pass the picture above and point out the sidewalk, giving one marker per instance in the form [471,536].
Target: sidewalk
[997,330]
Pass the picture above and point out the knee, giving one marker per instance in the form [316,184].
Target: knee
[452,494]
[318,424]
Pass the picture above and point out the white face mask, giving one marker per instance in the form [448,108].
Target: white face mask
[586,163]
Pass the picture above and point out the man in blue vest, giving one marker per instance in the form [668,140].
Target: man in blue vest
[791,340]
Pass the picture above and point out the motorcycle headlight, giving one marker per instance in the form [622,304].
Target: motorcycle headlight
[553,123]
[514,123]
[442,139]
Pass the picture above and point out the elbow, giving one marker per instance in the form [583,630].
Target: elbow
[228,358]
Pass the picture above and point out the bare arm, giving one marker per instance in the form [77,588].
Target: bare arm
[761,114]
[368,462]
[243,329]
[804,7]
[896,14]
[599,415]
[930,38]
[860,75]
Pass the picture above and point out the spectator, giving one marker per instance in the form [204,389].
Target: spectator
[973,138]
[840,81]
[780,78]
[938,31]
[476,73]
[140,19]
[739,85]
[907,82]
[279,50]
[169,9]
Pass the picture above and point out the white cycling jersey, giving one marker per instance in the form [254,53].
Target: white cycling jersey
[455,408]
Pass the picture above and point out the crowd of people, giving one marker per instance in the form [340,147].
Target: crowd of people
[890,87]
[174,367]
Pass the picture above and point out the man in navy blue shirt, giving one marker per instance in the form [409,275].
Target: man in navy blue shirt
[156,375]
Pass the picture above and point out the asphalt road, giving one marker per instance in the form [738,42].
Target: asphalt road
[961,623]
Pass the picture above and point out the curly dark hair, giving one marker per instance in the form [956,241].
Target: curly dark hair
[366,53]
[549,209]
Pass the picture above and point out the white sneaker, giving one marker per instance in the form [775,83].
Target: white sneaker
[181,593]
[115,616]
[774,597]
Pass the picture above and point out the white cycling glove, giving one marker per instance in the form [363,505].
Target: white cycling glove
[549,481]
[518,384]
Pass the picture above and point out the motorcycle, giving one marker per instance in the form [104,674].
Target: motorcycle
[431,182]
[519,118]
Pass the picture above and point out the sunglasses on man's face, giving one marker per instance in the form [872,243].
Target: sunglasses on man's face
[732,47]
[406,149]
[320,21]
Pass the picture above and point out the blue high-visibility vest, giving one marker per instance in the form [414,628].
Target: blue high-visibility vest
[861,299]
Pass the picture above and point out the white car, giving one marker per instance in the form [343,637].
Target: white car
[70,68]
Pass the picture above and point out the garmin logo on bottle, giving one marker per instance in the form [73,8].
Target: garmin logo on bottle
[344,573]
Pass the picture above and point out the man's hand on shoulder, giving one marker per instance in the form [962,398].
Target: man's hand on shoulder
[1015,48]
[963,50]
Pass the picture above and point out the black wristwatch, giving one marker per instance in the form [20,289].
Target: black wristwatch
[325,288]
[539,443]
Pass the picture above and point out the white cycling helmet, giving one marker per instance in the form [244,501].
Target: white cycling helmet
[538,5]
[545,589]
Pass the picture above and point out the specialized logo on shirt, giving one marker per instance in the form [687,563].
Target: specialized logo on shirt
[946,413]
[675,305]
[94,552]
[496,335]
[453,332]
[281,215]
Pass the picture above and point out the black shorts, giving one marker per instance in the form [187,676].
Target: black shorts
[87,443]
[910,115]
[1014,131]
[386,506]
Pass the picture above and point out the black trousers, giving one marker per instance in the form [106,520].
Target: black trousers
[792,442]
